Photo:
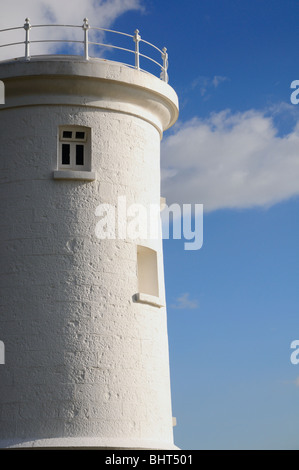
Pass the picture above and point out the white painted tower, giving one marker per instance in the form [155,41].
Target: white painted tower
[83,319]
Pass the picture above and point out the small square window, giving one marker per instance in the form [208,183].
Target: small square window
[67,134]
[74,148]
[80,135]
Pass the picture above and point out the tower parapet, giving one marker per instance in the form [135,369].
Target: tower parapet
[91,39]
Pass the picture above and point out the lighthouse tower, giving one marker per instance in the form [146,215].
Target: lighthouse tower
[83,314]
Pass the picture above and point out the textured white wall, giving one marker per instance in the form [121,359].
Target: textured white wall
[85,364]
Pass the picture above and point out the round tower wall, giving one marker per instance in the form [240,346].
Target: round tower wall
[86,359]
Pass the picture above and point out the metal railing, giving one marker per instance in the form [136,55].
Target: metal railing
[136,38]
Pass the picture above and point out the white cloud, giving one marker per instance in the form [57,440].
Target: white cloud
[230,161]
[101,13]
[183,302]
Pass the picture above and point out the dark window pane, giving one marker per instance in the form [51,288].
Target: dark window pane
[65,154]
[67,134]
[79,154]
[80,135]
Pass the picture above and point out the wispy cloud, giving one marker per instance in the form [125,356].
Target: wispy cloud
[219,79]
[184,302]
[231,160]
[205,85]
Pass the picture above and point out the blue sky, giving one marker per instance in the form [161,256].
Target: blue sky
[232,305]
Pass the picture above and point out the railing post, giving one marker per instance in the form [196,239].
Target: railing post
[164,74]
[85,28]
[136,39]
[27,27]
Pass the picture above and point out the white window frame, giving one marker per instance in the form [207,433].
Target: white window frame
[72,171]
[73,142]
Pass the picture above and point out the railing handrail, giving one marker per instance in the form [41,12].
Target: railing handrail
[85,41]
